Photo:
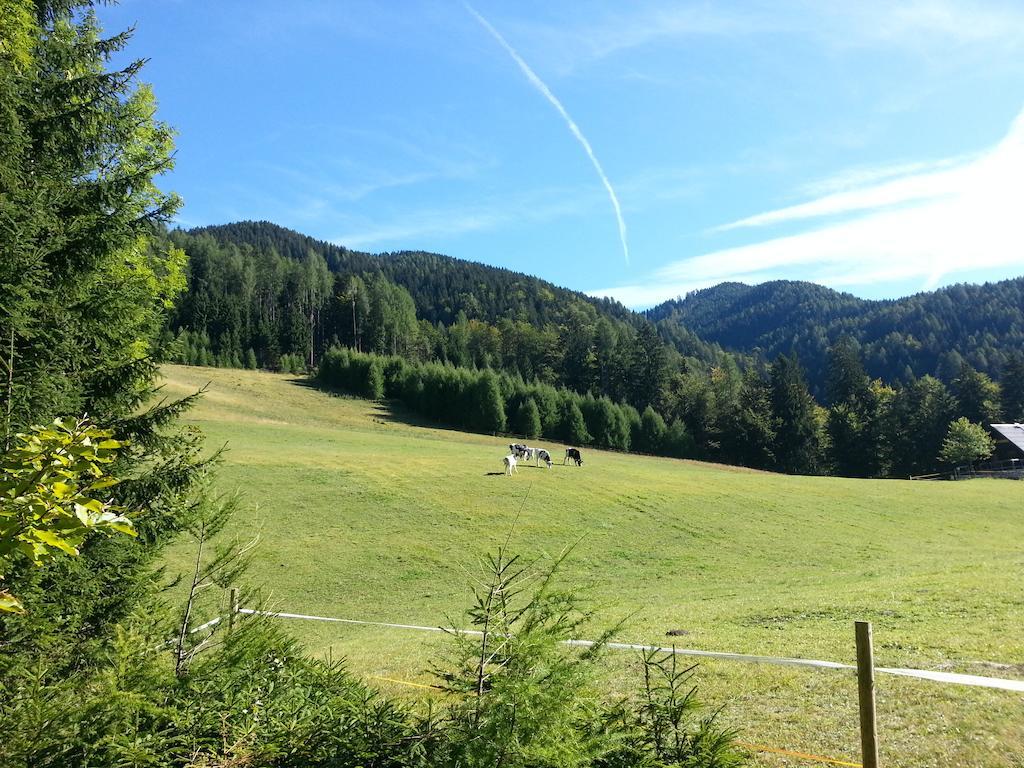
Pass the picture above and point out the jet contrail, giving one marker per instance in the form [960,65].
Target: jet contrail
[546,92]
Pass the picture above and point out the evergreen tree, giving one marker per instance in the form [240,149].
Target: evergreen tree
[373,387]
[1013,388]
[854,422]
[748,436]
[691,399]
[919,420]
[528,419]
[79,151]
[573,428]
[649,368]
[977,396]
[85,281]
[679,442]
[797,443]
[577,341]
[489,406]
[652,431]
[846,381]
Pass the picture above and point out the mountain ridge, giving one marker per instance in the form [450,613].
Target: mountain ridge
[929,332]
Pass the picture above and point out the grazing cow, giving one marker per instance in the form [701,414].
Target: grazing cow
[573,454]
[521,451]
[544,456]
[510,464]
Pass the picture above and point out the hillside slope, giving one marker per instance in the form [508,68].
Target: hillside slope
[927,333]
[367,515]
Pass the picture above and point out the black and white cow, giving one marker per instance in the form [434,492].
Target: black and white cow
[510,464]
[573,454]
[544,456]
[521,451]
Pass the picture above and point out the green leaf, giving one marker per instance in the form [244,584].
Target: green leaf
[9,603]
[48,537]
[63,490]
[124,525]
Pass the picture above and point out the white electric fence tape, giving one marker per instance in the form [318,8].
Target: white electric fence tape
[940,677]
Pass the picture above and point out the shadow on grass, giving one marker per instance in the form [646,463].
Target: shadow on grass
[390,411]
[394,412]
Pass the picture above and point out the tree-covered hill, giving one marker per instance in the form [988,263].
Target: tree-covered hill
[441,286]
[927,333]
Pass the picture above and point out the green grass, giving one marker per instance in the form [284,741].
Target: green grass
[366,515]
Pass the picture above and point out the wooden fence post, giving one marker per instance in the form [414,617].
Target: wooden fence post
[232,607]
[866,695]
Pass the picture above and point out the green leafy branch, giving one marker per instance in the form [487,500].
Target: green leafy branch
[50,484]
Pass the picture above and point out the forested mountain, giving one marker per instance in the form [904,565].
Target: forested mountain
[259,293]
[925,334]
[441,286]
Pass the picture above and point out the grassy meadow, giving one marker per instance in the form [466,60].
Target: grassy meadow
[367,514]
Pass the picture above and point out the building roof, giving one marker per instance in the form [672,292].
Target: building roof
[1012,432]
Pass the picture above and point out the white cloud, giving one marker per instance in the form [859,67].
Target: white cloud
[927,27]
[910,187]
[922,225]
[957,22]
[855,178]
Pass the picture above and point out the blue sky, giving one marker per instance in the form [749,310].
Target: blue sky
[639,150]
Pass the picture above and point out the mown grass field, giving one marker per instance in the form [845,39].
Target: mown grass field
[367,515]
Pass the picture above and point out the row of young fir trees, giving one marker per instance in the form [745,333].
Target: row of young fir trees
[869,430]
[99,667]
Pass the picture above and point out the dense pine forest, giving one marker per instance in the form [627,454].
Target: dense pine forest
[278,295]
[930,333]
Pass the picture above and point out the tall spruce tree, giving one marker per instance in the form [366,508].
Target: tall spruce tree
[528,419]
[488,404]
[652,431]
[854,423]
[748,436]
[572,427]
[85,281]
[797,439]
[82,285]
[648,373]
